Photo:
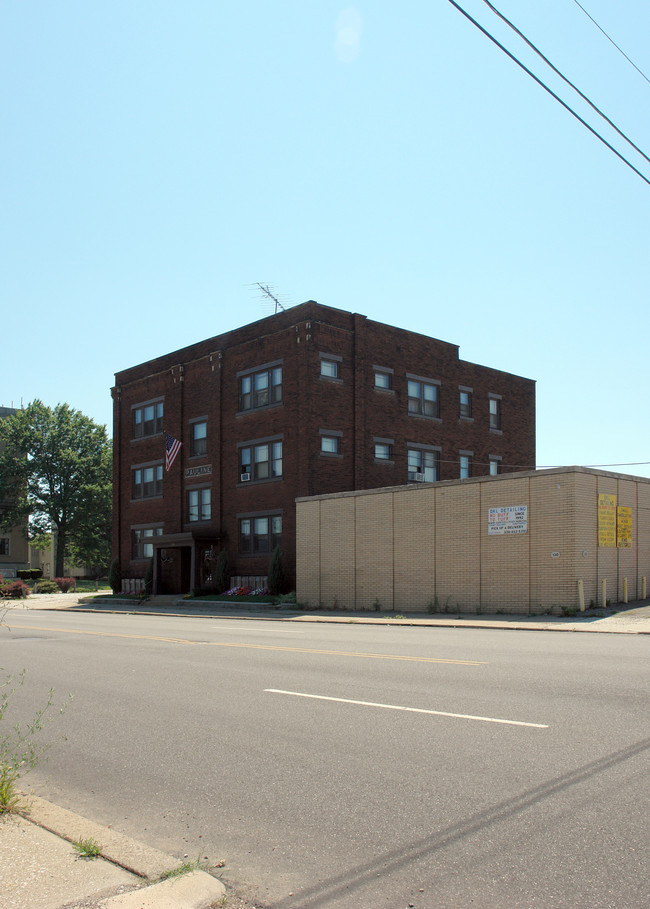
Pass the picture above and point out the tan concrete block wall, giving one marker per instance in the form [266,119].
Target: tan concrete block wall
[414,554]
[337,553]
[374,551]
[418,548]
[308,557]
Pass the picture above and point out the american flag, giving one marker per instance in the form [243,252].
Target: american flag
[172,447]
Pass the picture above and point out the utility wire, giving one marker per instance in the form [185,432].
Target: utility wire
[550,91]
[568,81]
[612,41]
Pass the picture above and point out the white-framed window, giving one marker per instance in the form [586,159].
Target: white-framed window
[495,466]
[383,451]
[262,461]
[259,534]
[141,541]
[495,412]
[465,402]
[147,481]
[330,366]
[199,438]
[383,378]
[330,444]
[199,507]
[465,465]
[147,419]
[423,398]
[424,464]
[261,387]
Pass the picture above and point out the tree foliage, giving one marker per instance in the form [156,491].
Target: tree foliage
[56,475]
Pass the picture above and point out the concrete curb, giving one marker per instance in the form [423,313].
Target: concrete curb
[193,890]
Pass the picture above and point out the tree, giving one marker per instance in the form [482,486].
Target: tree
[56,474]
[276,580]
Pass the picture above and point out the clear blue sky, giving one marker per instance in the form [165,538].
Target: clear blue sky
[158,158]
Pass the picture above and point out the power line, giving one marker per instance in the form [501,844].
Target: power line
[568,81]
[550,91]
[612,41]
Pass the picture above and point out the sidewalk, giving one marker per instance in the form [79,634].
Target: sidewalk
[40,868]
[620,619]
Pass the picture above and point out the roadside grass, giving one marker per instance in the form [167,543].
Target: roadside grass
[185,868]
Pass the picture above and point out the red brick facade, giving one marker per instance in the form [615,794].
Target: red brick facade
[338,384]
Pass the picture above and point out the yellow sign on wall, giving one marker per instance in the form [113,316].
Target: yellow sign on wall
[624,527]
[606,520]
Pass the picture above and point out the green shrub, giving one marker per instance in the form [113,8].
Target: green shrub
[277,582]
[29,574]
[115,577]
[46,586]
[221,573]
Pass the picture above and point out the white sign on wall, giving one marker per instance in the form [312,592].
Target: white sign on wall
[509,519]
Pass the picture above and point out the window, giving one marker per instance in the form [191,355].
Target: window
[423,398]
[199,440]
[423,465]
[4,546]
[383,451]
[198,505]
[465,403]
[147,481]
[141,545]
[147,420]
[261,462]
[495,413]
[465,466]
[330,444]
[260,534]
[329,367]
[495,467]
[261,388]
[383,379]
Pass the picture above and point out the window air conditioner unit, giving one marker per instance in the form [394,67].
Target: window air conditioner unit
[416,476]
[245,477]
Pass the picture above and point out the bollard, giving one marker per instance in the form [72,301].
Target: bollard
[603,593]
[581,595]
[625,590]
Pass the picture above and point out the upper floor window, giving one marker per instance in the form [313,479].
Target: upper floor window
[199,438]
[260,462]
[495,413]
[465,402]
[261,388]
[383,378]
[330,444]
[465,466]
[147,481]
[141,541]
[147,420]
[4,546]
[423,398]
[383,451]
[260,534]
[423,465]
[199,505]
[330,366]
[495,467]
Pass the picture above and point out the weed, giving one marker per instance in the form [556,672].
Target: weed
[569,610]
[88,848]
[397,616]
[20,749]
[376,605]
[433,605]
[185,868]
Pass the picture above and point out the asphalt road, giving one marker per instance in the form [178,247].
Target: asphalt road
[517,775]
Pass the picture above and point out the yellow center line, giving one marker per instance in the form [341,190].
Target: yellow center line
[272,647]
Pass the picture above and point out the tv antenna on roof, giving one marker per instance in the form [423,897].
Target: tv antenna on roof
[267,290]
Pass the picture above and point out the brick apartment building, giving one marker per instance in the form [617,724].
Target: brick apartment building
[310,401]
